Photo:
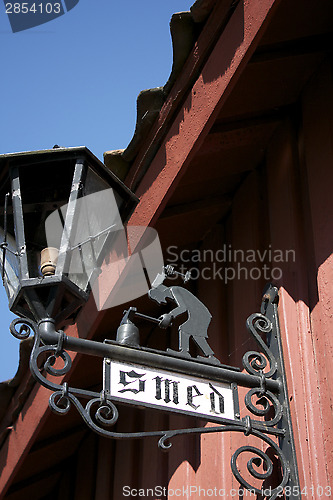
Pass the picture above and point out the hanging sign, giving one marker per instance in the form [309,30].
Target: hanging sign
[161,389]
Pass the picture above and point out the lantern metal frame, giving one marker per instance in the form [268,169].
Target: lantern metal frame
[79,159]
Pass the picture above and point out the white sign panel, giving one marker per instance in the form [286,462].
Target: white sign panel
[145,386]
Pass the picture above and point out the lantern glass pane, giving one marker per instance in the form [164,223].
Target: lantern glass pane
[97,222]
[104,216]
[9,264]
[9,260]
[44,189]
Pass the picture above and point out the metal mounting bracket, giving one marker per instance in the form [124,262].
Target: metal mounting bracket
[263,373]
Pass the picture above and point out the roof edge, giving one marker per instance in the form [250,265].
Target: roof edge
[185,28]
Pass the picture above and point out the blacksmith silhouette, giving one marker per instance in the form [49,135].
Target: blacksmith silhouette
[195,326]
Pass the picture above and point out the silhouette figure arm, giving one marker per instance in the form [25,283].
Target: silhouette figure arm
[177,311]
[166,319]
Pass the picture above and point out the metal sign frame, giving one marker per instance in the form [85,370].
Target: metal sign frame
[168,391]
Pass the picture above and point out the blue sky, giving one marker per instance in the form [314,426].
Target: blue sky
[74,81]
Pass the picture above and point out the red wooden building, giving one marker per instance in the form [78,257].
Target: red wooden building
[232,162]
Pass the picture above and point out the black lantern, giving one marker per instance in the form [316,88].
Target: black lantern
[60,207]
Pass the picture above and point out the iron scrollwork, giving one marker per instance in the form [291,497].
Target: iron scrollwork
[100,412]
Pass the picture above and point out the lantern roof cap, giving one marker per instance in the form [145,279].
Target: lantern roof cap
[69,152]
[57,154]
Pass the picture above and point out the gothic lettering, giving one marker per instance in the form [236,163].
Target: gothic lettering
[213,398]
[190,396]
[169,386]
[144,386]
[134,375]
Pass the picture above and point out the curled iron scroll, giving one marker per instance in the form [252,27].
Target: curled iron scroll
[255,362]
[261,458]
[105,414]
[26,328]
[262,408]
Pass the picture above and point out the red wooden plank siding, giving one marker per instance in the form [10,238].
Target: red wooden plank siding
[284,190]
[318,160]
[272,207]
[243,228]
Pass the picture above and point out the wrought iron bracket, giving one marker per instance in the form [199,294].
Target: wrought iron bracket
[263,374]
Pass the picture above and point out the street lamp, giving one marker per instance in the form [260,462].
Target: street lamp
[60,209]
